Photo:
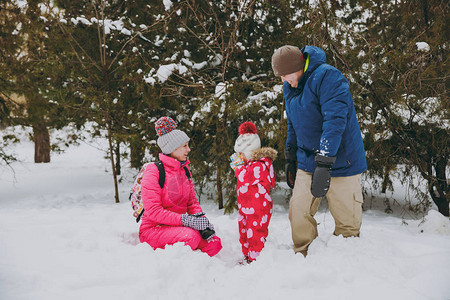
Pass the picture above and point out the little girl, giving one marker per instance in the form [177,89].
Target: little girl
[255,178]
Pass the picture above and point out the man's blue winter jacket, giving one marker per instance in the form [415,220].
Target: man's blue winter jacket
[321,117]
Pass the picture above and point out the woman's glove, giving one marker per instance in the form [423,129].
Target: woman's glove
[207,233]
[236,161]
[291,166]
[320,181]
[197,221]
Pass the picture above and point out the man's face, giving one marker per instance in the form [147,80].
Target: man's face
[292,78]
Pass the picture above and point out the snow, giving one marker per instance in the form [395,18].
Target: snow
[108,24]
[423,46]
[17,30]
[167,4]
[125,31]
[63,237]
[198,114]
[21,3]
[198,66]
[220,90]
[84,21]
[164,72]
[427,112]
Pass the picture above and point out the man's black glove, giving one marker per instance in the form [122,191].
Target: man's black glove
[291,166]
[321,176]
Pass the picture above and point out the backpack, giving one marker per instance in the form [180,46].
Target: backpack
[135,194]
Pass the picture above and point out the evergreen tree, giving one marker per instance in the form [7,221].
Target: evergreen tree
[8,22]
[407,92]
[396,58]
[122,65]
[29,69]
[23,64]
[222,62]
[115,49]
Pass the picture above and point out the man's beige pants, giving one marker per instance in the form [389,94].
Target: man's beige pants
[344,201]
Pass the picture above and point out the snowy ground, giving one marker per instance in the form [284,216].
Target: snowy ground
[63,237]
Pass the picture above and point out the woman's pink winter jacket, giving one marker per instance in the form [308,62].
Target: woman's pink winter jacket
[165,206]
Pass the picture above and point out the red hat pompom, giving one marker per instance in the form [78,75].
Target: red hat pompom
[247,127]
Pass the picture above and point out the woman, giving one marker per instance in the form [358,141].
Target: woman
[172,214]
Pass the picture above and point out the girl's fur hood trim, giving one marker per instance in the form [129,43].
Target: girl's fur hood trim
[264,152]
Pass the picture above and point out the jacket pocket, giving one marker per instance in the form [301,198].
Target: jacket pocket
[342,163]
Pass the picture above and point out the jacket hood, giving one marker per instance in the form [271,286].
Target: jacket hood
[316,57]
[264,152]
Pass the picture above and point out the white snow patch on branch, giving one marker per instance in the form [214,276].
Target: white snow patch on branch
[167,4]
[220,91]
[423,46]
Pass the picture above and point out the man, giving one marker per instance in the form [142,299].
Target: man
[324,149]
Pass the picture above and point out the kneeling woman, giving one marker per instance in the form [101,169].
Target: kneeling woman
[172,214]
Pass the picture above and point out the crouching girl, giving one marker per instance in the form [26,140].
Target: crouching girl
[172,214]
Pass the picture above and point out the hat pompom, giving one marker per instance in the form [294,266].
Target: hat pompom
[164,125]
[247,127]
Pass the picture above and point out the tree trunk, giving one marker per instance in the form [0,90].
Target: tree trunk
[385,181]
[111,157]
[117,151]
[41,143]
[440,200]
[439,189]
[4,113]
[219,187]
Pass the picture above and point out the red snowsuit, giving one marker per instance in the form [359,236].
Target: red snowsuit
[254,182]
[161,222]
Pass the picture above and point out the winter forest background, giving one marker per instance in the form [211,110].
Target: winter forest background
[120,65]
